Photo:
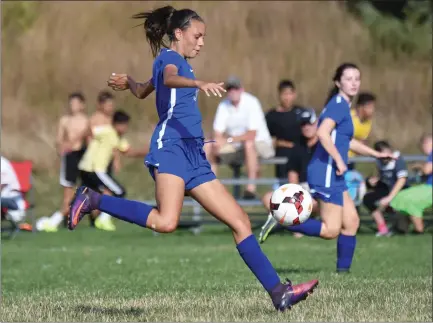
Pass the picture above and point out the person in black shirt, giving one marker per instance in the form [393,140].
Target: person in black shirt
[391,180]
[297,170]
[283,126]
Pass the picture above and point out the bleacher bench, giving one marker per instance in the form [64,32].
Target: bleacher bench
[198,216]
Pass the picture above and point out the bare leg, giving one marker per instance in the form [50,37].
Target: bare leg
[332,217]
[380,221]
[266,200]
[418,224]
[68,194]
[170,190]
[224,208]
[251,163]
[350,216]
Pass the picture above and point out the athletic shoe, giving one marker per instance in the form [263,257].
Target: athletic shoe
[106,224]
[284,296]
[84,202]
[44,224]
[267,228]
[384,234]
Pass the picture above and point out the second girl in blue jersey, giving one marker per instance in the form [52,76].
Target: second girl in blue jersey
[328,165]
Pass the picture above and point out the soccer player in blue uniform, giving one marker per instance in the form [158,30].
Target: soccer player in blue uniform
[176,159]
[328,165]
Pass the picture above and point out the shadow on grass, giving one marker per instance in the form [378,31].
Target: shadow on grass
[286,271]
[108,310]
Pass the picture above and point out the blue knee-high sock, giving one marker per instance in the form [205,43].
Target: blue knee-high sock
[345,250]
[311,228]
[258,263]
[126,210]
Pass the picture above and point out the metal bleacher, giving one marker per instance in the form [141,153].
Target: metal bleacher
[194,216]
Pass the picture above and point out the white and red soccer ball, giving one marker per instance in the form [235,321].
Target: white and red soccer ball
[291,204]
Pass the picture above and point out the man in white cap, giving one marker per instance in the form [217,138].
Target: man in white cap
[240,133]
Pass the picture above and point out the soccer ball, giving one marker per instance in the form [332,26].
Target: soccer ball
[291,204]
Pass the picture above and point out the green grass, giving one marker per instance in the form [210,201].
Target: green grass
[131,275]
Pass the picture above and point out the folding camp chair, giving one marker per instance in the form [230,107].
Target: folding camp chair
[23,170]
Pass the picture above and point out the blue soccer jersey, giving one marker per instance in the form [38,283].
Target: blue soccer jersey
[322,168]
[179,116]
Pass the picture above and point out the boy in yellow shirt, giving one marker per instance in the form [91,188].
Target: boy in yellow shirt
[95,164]
[362,117]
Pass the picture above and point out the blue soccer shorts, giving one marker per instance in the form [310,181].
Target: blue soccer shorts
[184,158]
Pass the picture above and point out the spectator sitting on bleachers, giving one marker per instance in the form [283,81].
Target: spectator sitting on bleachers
[391,180]
[414,200]
[283,126]
[298,165]
[240,133]
[11,197]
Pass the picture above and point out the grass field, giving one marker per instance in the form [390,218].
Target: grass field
[131,275]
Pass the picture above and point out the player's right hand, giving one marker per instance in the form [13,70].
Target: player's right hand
[373,180]
[118,82]
[214,88]
[341,168]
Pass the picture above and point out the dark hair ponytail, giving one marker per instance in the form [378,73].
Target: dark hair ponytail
[332,92]
[337,77]
[156,24]
[164,21]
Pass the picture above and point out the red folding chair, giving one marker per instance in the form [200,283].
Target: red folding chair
[24,172]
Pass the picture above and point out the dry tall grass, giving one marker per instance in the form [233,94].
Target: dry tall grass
[76,45]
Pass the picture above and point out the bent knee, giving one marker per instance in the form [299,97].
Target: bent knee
[167,226]
[167,222]
[249,145]
[330,233]
[241,223]
[352,223]
[267,198]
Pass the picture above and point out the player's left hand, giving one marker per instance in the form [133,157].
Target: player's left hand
[214,88]
[384,202]
[118,82]
[385,155]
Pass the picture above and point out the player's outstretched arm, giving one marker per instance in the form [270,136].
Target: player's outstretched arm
[173,80]
[140,90]
[362,149]
[121,82]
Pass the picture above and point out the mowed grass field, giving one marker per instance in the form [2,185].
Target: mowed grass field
[132,275]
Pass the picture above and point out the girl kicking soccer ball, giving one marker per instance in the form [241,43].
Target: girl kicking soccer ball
[176,160]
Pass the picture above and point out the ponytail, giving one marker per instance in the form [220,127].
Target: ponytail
[164,21]
[332,92]
[156,25]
